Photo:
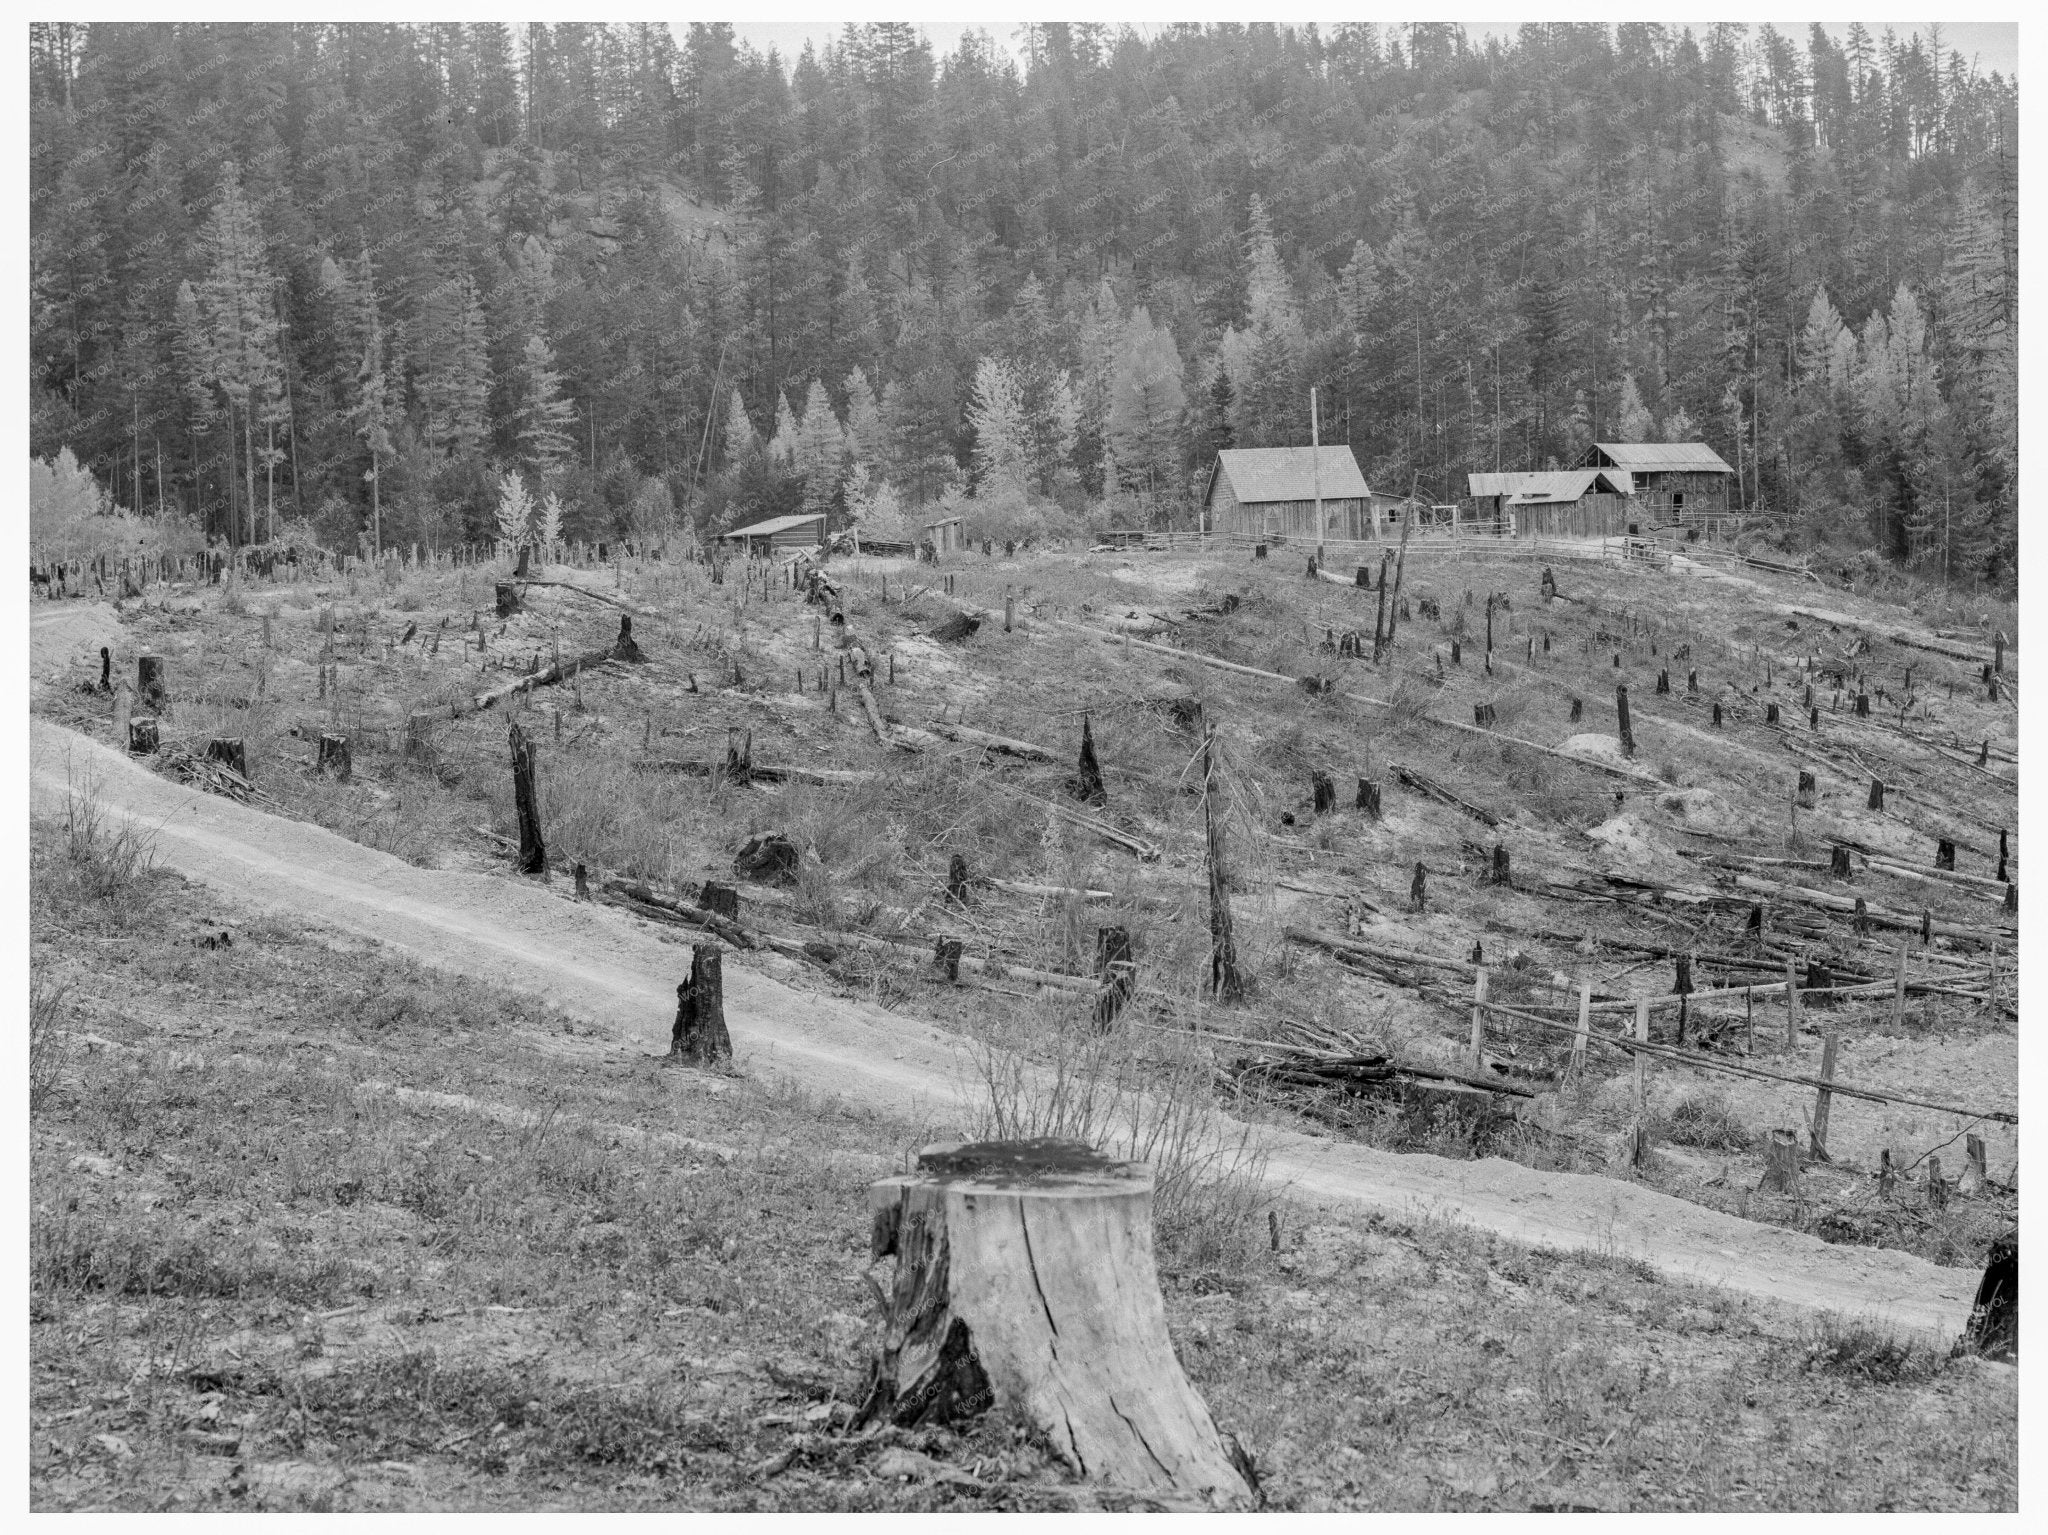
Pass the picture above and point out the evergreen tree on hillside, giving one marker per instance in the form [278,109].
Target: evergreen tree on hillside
[545,418]
[235,304]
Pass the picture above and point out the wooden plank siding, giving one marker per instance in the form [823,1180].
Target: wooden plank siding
[1596,516]
[1705,492]
[1345,518]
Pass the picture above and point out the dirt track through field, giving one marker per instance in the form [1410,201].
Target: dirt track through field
[602,966]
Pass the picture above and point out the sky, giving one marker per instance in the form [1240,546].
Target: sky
[1994,45]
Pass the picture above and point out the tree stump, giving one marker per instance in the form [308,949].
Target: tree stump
[627,649]
[1860,918]
[1364,577]
[508,598]
[2001,853]
[700,1037]
[1628,736]
[1692,681]
[720,900]
[957,881]
[1323,792]
[1369,798]
[1258,551]
[142,735]
[1770,714]
[533,856]
[1887,1174]
[1500,875]
[1024,1280]
[1937,1188]
[1578,710]
[1808,789]
[1838,863]
[1086,784]
[107,669]
[1717,714]
[524,567]
[1117,971]
[151,687]
[1975,1175]
[229,752]
[1663,682]
[1781,1163]
[1994,1327]
[770,859]
[1877,794]
[1457,655]
[1418,887]
[1483,715]
[1813,718]
[1862,704]
[946,958]
[1226,982]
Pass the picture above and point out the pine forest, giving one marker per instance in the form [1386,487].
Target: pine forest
[360,283]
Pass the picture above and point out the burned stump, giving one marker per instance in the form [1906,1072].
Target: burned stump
[1024,1281]
[142,738]
[229,752]
[1118,971]
[700,1037]
[769,859]
[533,853]
[334,757]
[720,900]
[508,598]
[1994,1327]
[1086,784]
[151,687]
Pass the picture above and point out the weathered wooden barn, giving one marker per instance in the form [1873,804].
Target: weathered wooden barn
[1555,503]
[777,533]
[1671,481]
[1271,493]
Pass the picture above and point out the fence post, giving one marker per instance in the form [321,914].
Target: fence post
[1899,989]
[1791,1004]
[1585,1025]
[1824,1098]
[1642,1065]
[1478,1017]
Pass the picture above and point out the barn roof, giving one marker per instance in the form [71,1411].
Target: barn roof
[1540,486]
[774,525]
[1289,474]
[1661,457]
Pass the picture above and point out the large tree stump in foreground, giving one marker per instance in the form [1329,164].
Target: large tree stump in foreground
[1024,1280]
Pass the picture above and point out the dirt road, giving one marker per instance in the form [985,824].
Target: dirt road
[601,966]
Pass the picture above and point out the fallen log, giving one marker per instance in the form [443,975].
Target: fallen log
[995,743]
[1828,901]
[638,897]
[1438,792]
[638,610]
[1143,851]
[762,773]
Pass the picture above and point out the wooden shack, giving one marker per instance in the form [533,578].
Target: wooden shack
[1271,493]
[776,534]
[948,535]
[1554,503]
[1671,481]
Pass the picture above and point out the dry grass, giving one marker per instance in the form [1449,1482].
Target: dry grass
[316,1229]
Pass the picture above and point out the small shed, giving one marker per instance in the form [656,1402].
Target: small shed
[1673,481]
[1271,493]
[1554,503]
[947,535]
[765,538]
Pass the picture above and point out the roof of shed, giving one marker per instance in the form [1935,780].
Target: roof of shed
[1289,474]
[1663,457]
[1536,486]
[773,525]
